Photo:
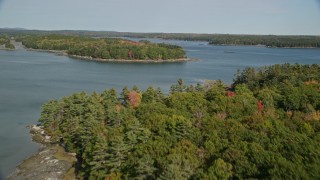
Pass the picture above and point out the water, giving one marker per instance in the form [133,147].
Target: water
[28,79]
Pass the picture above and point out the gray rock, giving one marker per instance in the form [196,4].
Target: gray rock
[43,165]
[36,128]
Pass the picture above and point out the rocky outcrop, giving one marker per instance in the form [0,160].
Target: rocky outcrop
[51,162]
[39,135]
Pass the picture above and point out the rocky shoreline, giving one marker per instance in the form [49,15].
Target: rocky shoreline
[51,162]
[133,60]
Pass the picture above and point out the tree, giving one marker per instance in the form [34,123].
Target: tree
[179,87]
[116,155]
[182,161]
[149,95]
[134,98]
[220,170]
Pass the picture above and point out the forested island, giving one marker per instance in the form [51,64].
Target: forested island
[265,126]
[279,41]
[105,48]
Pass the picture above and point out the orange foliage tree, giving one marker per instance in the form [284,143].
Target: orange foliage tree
[134,98]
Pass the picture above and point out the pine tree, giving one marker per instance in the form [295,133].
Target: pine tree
[116,154]
[149,95]
[98,164]
[145,168]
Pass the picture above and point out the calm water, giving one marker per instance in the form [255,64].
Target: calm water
[28,79]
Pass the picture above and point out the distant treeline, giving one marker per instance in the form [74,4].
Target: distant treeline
[269,41]
[266,126]
[215,39]
[104,48]
[226,39]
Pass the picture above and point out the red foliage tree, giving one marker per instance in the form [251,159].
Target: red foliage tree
[231,94]
[134,98]
[260,105]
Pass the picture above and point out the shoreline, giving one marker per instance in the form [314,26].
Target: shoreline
[64,53]
[2,47]
[7,49]
[50,162]
[131,61]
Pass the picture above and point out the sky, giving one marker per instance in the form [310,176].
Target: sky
[279,17]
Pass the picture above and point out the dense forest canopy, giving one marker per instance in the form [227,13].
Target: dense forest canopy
[215,39]
[266,126]
[104,48]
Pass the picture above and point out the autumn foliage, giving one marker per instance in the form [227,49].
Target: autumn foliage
[260,106]
[231,94]
[134,98]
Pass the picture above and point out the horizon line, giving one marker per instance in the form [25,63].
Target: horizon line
[199,33]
